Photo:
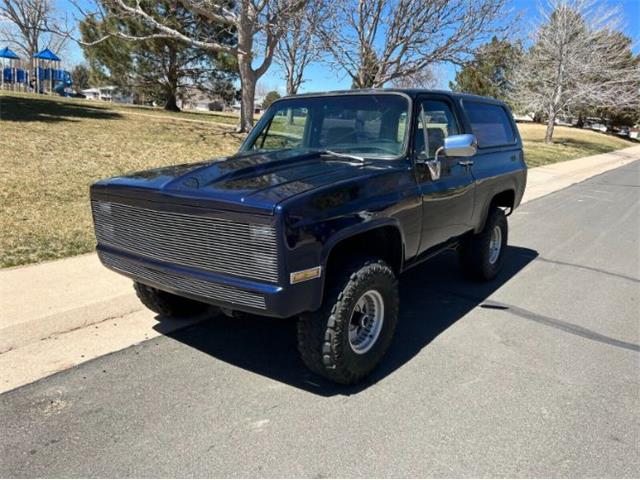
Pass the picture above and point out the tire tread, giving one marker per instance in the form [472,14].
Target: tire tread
[320,332]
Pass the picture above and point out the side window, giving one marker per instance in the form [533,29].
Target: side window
[435,123]
[286,130]
[490,124]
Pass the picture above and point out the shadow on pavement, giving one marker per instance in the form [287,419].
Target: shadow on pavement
[434,296]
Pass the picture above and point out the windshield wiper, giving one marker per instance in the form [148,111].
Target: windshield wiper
[344,155]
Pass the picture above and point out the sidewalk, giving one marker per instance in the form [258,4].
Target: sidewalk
[45,308]
[551,178]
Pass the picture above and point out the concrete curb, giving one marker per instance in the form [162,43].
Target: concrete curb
[16,336]
[48,299]
[39,301]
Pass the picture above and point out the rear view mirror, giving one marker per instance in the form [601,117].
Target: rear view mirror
[460,145]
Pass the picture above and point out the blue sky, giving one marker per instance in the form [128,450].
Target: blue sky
[321,77]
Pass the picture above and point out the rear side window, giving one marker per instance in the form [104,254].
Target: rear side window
[490,124]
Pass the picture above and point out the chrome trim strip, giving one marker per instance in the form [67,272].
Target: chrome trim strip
[190,285]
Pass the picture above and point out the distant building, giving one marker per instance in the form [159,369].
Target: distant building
[566,121]
[257,105]
[523,117]
[109,93]
[194,99]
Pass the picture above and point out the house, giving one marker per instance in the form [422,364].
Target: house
[566,121]
[257,105]
[194,99]
[524,117]
[109,93]
[91,93]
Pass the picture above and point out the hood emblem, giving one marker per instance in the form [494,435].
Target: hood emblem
[191,182]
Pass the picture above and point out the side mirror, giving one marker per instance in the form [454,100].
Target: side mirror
[460,145]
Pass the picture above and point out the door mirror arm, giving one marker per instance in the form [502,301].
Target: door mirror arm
[439,150]
[433,165]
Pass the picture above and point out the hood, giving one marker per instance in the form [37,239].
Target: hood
[256,181]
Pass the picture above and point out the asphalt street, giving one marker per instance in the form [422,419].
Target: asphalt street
[535,374]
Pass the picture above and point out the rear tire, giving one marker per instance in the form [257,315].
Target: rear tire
[168,304]
[348,336]
[482,255]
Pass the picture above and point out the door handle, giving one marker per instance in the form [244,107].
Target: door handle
[465,163]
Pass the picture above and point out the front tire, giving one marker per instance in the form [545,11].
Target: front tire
[482,255]
[348,336]
[168,304]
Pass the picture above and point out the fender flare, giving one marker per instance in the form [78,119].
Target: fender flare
[489,200]
[358,229]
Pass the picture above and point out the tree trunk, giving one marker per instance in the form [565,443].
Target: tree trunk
[292,86]
[291,90]
[248,78]
[247,98]
[171,103]
[557,96]
[548,136]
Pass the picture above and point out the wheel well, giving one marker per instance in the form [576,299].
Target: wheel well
[504,199]
[382,242]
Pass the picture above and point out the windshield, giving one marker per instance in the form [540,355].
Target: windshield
[372,126]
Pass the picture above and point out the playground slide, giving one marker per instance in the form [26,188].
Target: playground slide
[60,88]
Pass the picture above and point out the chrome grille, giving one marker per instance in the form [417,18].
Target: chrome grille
[212,244]
[209,290]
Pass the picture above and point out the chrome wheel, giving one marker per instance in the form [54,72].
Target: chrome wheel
[366,322]
[495,244]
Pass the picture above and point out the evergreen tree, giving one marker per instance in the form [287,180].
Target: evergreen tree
[489,73]
[269,98]
[158,68]
[80,76]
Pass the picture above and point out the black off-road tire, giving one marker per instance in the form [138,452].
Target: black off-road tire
[323,336]
[474,251]
[168,304]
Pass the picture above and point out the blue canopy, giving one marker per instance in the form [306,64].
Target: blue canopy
[6,52]
[47,54]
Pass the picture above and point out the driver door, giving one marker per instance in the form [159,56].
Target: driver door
[447,202]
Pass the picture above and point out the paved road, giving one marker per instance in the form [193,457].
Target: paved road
[536,374]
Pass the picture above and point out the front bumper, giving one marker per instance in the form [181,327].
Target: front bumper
[216,289]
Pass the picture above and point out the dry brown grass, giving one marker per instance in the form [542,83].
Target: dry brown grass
[51,150]
[568,143]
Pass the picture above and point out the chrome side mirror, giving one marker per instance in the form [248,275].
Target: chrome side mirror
[465,145]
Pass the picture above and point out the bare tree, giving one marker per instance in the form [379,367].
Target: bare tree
[425,78]
[577,60]
[25,24]
[262,89]
[299,45]
[378,41]
[257,24]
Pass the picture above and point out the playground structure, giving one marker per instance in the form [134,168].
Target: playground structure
[40,74]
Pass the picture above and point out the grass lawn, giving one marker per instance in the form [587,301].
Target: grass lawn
[568,143]
[52,149]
